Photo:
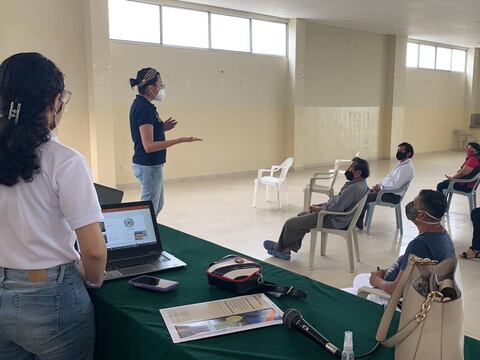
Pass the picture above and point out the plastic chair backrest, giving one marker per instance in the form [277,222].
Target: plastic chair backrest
[476,178]
[286,165]
[358,211]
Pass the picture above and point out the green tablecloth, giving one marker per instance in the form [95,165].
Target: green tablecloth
[129,325]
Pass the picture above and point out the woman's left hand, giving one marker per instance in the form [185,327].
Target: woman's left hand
[170,124]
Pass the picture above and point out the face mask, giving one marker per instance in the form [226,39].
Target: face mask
[412,214]
[161,96]
[471,152]
[349,175]
[401,156]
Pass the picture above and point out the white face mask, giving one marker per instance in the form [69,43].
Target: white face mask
[161,96]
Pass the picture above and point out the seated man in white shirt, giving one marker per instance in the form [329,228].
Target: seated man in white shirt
[401,174]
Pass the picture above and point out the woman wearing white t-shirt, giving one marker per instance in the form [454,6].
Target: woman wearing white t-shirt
[47,203]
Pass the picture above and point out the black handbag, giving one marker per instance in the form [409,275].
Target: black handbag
[241,276]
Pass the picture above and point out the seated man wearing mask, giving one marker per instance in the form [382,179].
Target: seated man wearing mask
[295,228]
[400,175]
[432,242]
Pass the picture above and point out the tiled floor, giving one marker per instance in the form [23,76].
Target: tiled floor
[220,210]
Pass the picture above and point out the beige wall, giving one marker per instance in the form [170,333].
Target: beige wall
[336,94]
[54,28]
[344,94]
[434,107]
[235,102]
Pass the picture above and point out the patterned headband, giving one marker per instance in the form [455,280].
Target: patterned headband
[151,74]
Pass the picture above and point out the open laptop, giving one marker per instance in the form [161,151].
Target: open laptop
[133,242]
[107,195]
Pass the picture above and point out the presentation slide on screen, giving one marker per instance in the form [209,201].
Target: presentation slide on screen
[128,228]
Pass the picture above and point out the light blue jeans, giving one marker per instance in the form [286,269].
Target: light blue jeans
[151,180]
[50,319]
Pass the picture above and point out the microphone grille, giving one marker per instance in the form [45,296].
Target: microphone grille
[289,316]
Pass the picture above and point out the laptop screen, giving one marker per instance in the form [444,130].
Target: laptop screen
[128,226]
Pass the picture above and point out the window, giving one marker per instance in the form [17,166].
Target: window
[444,59]
[435,57]
[134,21]
[170,25]
[269,37]
[184,27]
[426,58]
[458,60]
[230,33]
[412,55]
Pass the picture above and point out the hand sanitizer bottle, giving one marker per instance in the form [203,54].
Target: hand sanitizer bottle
[347,353]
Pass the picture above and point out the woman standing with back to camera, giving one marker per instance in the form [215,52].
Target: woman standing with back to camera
[148,135]
[47,203]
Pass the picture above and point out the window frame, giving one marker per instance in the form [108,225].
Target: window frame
[206,9]
[437,45]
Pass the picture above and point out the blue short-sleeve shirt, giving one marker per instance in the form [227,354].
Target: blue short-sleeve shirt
[144,112]
[434,245]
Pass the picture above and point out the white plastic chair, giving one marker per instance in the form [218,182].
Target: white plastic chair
[364,291]
[313,187]
[472,195]
[378,202]
[345,163]
[350,234]
[272,181]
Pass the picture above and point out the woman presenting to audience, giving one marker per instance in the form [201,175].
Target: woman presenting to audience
[148,135]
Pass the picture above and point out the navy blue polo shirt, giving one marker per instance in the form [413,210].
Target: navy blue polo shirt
[144,112]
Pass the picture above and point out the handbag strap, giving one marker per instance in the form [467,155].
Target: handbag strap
[277,290]
[392,304]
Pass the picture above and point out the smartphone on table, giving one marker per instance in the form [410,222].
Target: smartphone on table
[153,283]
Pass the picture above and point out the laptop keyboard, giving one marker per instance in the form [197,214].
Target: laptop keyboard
[130,262]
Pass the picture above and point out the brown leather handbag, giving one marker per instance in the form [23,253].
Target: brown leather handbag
[431,321]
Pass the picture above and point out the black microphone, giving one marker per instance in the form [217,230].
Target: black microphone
[294,320]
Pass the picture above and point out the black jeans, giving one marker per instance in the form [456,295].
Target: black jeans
[459,186]
[475,216]
[371,197]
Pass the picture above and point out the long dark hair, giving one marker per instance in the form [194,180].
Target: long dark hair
[141,75]
[32,80]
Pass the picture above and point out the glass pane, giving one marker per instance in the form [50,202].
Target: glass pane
[269,38]
[444,58]
[134,21]
[412,55]
[458,60]
[230,32]
[184,27]
[427,57]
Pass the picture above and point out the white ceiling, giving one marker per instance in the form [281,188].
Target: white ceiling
[454,22]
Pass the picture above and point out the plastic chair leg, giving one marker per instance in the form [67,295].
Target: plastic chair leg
[255,192]
[267,193]
[313,244]
[370,209]
[307,198]
[449,200]
[398,213]
[323,243]
[350,251]
[355,241]
[279,202]
[470,202]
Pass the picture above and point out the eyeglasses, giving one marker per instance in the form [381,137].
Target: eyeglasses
[65,96]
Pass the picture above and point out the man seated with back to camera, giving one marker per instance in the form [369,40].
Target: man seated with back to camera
[295,228]
[433,242]
[400,175]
